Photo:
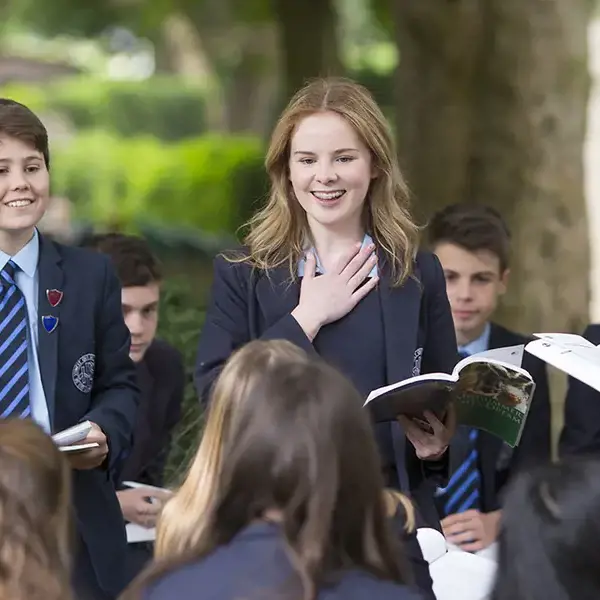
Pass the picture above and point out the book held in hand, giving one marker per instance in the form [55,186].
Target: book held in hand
[489,391]
[67,439]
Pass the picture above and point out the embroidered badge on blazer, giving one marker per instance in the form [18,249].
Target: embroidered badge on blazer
[83,373]
[416,370]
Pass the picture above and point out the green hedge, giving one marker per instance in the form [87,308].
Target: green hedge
[209,183]
[180,322]
[164,107]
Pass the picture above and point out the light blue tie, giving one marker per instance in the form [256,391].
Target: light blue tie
[14,375]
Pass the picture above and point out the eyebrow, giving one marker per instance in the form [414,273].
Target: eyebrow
[453,272]
[149,305]
[7,160]
[339,151]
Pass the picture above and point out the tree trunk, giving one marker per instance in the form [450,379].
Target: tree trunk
[309,41]
[492,109]
[245,60]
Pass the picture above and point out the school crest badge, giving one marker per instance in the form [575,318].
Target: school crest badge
[416,370]
[83,373]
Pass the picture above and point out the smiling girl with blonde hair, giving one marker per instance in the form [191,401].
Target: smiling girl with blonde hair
[331,264]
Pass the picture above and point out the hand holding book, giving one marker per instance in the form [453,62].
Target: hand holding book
[488,391]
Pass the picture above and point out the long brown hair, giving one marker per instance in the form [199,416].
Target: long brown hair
[277,233]
[301,443]
[34,515]
[185,517]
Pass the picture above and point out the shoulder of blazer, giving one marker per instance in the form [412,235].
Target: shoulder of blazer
[592,333]
[162,356]
[428,270]
[73,257]
[227,266]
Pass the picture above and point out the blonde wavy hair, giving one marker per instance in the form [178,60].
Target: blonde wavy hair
[276,235]
[34,515]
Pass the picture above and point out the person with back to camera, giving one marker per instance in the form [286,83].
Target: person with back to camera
[331,264]
[286,501]
[549,544]
[35,496]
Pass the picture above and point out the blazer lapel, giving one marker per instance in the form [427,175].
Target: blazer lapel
[276,294]
[401,309]
[50,284]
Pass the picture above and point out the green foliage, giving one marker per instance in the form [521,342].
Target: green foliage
[208,183]
[164,107]
[181,318]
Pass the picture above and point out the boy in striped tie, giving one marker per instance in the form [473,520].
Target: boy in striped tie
[472,243]
[64,349]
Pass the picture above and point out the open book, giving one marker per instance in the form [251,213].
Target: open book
[490,391]
[572,354]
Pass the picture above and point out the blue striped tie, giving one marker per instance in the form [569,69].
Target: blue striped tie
[463,490]
[14,376]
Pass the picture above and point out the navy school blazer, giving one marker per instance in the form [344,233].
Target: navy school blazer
[581,431]
[255,564]
[246,305]
[87,374]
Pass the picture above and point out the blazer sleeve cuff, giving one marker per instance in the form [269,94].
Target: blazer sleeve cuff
[287,328]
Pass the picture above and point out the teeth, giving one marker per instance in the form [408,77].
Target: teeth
[329,195]
[19,203]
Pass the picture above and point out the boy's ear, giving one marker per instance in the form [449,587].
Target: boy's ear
[504,281]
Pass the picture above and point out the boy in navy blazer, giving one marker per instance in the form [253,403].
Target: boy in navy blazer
[472,243]
[64,348]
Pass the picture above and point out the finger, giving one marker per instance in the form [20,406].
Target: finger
[466,537]
[310,265]
[363,272]
[346,258]
[359,259]
[412,431]
[458,528]
[361,292]
[473,546]
[450,419]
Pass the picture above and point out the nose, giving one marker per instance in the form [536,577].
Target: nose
[134,323]
[463,289]
[18,180]
[326,172]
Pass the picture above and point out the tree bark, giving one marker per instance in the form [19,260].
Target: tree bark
[245,60]
[492,109]
[309,41]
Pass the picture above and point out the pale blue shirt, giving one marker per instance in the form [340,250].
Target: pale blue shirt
[366,240]
[481,344]
[26,278]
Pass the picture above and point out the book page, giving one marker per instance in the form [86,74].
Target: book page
[509,355]
[79,447]
[571,354]
[494,397]
[71,435]
[136,533]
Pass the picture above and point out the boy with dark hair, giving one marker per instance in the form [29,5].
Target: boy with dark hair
[159,365]
[472,243]
[161,377]
[64,348]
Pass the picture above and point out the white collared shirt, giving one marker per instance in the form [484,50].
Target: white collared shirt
[26,278]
